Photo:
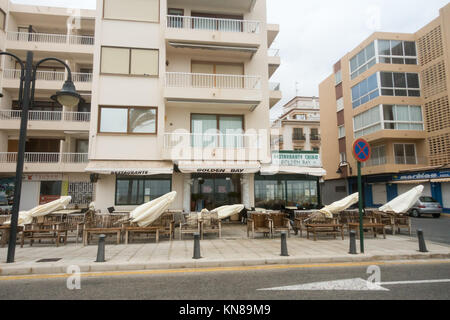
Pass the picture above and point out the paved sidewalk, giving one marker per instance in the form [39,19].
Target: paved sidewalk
[226,252]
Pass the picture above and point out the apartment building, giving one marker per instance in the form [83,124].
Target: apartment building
[58,137]
[392,90]
[299,125]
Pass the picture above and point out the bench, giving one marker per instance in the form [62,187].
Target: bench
[327,226]
[144,230]
[57,232]
[369,223]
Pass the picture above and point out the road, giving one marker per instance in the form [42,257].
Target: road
[437,230]
[241,284]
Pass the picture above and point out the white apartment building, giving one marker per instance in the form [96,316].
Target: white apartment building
[57,141]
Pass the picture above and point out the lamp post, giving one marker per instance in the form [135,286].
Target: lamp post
[67,97]
[341,164]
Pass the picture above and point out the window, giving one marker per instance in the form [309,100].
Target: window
[342,157]
[365,91]
[338,77]
[405,153]
[131,120]
[82,146]
[298,134]
[397,52]
[2,20]
[340,104]
[316,150]
[390,117]
[400,84]
[219,69]
[130,61]
[378,156]
[210,130]
[363,61]
[341,132]
[139,190]
[133,10]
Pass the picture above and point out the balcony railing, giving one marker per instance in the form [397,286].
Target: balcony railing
[223,141]
[49,75]
[299,137]
[212,24]
[45,157]
[272,52]
[274,86]
[46,115]
[219,81]
[50,38]
[315,137]
[380,161]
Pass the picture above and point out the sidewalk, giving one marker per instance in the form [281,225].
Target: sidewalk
[230,251]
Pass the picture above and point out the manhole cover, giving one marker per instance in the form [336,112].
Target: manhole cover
[49,260]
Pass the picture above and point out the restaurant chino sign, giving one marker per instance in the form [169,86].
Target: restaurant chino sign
[296,159]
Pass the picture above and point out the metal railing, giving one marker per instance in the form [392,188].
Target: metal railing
[297,137]
[274,86]
[45,157]
[50,38]
[49,75]
[213,24]
[46,115]
[219,81]
[213,140]
[380,161]
[315,137]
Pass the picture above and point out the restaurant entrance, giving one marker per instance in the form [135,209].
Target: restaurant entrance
[213,191]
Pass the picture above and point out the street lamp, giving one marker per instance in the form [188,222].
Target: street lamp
[67,96]
[344,163]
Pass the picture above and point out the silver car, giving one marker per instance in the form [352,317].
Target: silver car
[426,205]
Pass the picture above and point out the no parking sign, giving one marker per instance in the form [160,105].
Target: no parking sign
[361,150]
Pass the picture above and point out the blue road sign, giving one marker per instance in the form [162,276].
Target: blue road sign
[361,150]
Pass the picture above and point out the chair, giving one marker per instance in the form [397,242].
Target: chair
[280,222]
[191,225]
[166,224]
[210,223]
[75,223]
[101,224]
[259,223]
[299,221]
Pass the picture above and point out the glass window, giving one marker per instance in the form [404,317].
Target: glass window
[405,153]
[413,80]
[396,51]
[362,61]
[207,129]
[139,190]
[388,112]
[416,113]
[338,77]
[134,10]
[410,48]
[399,80]
[204,130]
[365,91]
[397,48]
[384,47]
[341,132]
[113,120]
[386,79]
[142,120]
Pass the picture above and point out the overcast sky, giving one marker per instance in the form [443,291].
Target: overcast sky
[316,34]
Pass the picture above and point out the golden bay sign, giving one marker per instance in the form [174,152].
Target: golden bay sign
[296,159]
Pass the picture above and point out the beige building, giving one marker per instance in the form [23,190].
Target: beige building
[298,128]
[57,142]
[392,90]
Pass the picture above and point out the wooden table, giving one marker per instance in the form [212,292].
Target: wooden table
[54,231]
[148,230]
[327,228]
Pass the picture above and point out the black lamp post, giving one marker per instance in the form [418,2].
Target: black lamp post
[343,163]
[67,97]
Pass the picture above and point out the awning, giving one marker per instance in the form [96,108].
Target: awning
[130,168]
[441,180]
[409,181]
[272,170]
[219,167]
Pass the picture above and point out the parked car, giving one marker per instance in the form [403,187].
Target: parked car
[426,205]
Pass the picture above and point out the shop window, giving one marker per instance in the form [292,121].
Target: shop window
[139,190]
[50,191]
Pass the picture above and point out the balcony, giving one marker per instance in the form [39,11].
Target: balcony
[210,33]
[48,80]
[274,93]
[299,138]
[45,162]
[241,92]
[192,146]
[272,33]
[315,138]
[46,120]
[274,60]
[393,164]
[50,42]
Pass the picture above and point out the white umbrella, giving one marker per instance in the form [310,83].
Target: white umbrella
[403,202]
[147,213]
[340,205]
[228,211]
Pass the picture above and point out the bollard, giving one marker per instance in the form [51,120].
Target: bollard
[101,248]
[284,249]
[422,246]
[196,246]
[353,242]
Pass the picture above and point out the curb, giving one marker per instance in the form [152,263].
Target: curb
[61,269]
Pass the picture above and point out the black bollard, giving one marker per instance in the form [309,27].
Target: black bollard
[101,248]
[284,249]
[422,246]
[196,246]
[353,242]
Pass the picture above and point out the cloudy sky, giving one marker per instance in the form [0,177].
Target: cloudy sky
[315,34]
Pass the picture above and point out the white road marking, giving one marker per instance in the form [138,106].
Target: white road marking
[414,282]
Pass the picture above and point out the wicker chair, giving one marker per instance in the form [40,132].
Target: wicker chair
[259,223]
[280,222]
[191,225]
[210,223]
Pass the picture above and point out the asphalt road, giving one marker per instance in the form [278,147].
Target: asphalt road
[437,230]
[242,284]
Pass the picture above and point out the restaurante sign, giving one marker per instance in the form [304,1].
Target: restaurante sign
[296,159]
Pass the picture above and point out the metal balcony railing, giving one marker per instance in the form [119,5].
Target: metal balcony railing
[45,157]
[380,161]
[297,137]
[49,75]
[46,115]
[213,24]
[224,141]
[50,38]
[219,81]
